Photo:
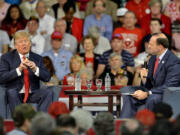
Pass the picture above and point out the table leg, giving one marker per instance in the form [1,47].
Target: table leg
[110,103]
[118,107]
[80,101]
[71,102]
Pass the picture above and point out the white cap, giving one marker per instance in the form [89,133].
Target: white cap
[121,11]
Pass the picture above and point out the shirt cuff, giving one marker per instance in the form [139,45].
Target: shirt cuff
[37,72]
[150,92]
[18,72]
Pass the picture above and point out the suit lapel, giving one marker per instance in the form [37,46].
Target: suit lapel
[161,64]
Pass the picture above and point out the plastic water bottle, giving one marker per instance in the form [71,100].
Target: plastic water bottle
[77,82]
[107,82]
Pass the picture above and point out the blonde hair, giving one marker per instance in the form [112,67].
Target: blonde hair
[79,59]
[21,34]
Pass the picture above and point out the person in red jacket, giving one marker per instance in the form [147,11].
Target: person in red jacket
[155,7]
[74,25]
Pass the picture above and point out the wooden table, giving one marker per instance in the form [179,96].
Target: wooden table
[109,94]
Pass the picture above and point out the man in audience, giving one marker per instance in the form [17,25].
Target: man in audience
[42,124]
[46,21]
[131,127]
[104,124]
[59,56]
[4,42]
[110,9]
[22,116]
[99,19]
[131,34]
[163,71]
[21,71]
[67,123]
[117,46]
[69,42]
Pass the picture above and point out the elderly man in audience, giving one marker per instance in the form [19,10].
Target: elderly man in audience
[46,21]
[22,117]
[69,42]
[4,42]
[99,19]
[59,56]
[42,124]
[115,62]
[21,72]
[117,46]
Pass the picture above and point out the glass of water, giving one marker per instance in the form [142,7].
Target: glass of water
[89,84]
[98,84]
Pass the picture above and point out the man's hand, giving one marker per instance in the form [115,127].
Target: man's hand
[30,64]
[139,94]
[143,74]
[22,66]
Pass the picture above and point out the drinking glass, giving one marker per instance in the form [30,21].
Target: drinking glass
[98,84]
[89,84]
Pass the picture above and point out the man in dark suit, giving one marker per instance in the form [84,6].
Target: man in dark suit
[21,71]
[163,71]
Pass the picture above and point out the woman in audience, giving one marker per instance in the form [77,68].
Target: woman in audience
[90,58]
[13,21]
[86,74]
[76,64]
[48,64]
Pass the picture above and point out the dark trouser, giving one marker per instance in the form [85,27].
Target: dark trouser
[42,97]
[131,104]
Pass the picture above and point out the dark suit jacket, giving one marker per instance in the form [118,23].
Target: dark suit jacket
[8,75]
[167,73]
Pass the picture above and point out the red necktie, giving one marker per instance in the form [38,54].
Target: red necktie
[26,82]
[156,65]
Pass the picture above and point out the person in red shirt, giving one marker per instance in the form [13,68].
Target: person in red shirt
[74,25]
[155,7]
[139,7]
[132,35]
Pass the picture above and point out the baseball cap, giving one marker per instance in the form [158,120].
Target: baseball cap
[118,36]
[121,11]
[56,35]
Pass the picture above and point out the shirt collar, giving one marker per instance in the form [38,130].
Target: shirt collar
[21,56]
[162,55]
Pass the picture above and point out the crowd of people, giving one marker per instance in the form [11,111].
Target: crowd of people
[49,42]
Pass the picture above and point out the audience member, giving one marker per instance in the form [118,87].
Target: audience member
[131,34]
[4,42]
[86,73]
[90,58]
[120,17]
[177,125]
[82,7]
[110,8]
[22,117]
[43,124]
[46,21]
[131,127]
[104,124]
[21,71]
[58,108]
[146,117]
[83,119]
[13,21]
[117,46]
[69,42]
[13,2]
[49,66]
[155,79]
[29,8]
[155,8]
[76,64]
[163,111]
[74,25]
[161,127]
[172,10]
[99,19]
[67,123]
[59,56]
[115,62]
[2,129]
[58,9]
[3,9]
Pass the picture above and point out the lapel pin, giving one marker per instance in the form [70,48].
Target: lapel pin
[163,62]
